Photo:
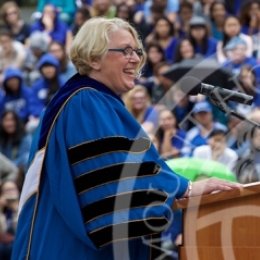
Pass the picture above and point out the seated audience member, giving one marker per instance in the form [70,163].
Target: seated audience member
[155,55]
[249,17]
[138,103]
[170,137]
[47,85]
[182,107]
[185,14]
[161,91]
[8,170]
[66,9]
[37,47]
[247,83]
[13,21]
[125,12]
[200,38]
[232,29]
[9,198]
[82,15]
[170,8]
[217,15]
[51,24]
[236,57]
[248,166]
[17,96]
[184,51]
[217,150]
[14,142]
[12,53]
[104,8]
[235,137]
[163,33]
[67,68]
[204,125]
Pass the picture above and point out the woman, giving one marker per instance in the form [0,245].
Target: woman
[47,85]
[163,34]
[51,24]
[155,55]
[218,13]
[13,21]
[66,68]
[138,103]
[93,154]
[14,143]
[250,18]
[203,44]
[232,29]
[184,50]
[17,96]
[169,136]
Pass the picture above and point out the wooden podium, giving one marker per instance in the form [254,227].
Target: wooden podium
[222,226]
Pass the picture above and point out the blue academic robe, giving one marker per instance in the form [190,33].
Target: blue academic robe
[103,190]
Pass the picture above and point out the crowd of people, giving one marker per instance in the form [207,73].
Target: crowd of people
[34,64]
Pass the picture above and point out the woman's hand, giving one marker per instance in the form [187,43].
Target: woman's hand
[210,185]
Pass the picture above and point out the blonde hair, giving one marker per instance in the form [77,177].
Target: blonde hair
[128,100]
[6,6]
[91,42]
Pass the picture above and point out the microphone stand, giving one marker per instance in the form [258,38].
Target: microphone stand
[218,101]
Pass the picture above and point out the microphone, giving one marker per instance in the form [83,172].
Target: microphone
[193,86]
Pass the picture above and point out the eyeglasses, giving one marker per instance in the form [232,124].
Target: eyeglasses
[129,51]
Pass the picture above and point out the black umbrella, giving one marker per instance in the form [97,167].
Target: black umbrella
[205,70]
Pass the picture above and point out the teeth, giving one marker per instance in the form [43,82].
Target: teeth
[132,72]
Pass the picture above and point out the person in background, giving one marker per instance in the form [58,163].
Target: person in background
[12,53]
[66,9]
[247,83]
[56,29]
[37,46]
[90,153]
[82,15]
[236,50]
[66,68]
[11,16]
[155,55]
[47,85]
[184,51]
[14,142]
[8,170]
[104,8]
[125,12]
[161,90]
[217,150]
[182,23]
[169,135]
[248,165]
[9,198]
[232,29]
[200,38]
[17,96]
[217,16]
[169,7]
[138,103]
[249,17]
[204,125]
[163,33]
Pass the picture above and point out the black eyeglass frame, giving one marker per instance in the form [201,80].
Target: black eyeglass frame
[129,51]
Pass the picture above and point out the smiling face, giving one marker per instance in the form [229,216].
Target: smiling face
[114,69]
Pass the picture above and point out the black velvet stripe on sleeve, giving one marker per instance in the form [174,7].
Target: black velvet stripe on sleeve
[123,231]
[114,173]
[98,147]
[135,199]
